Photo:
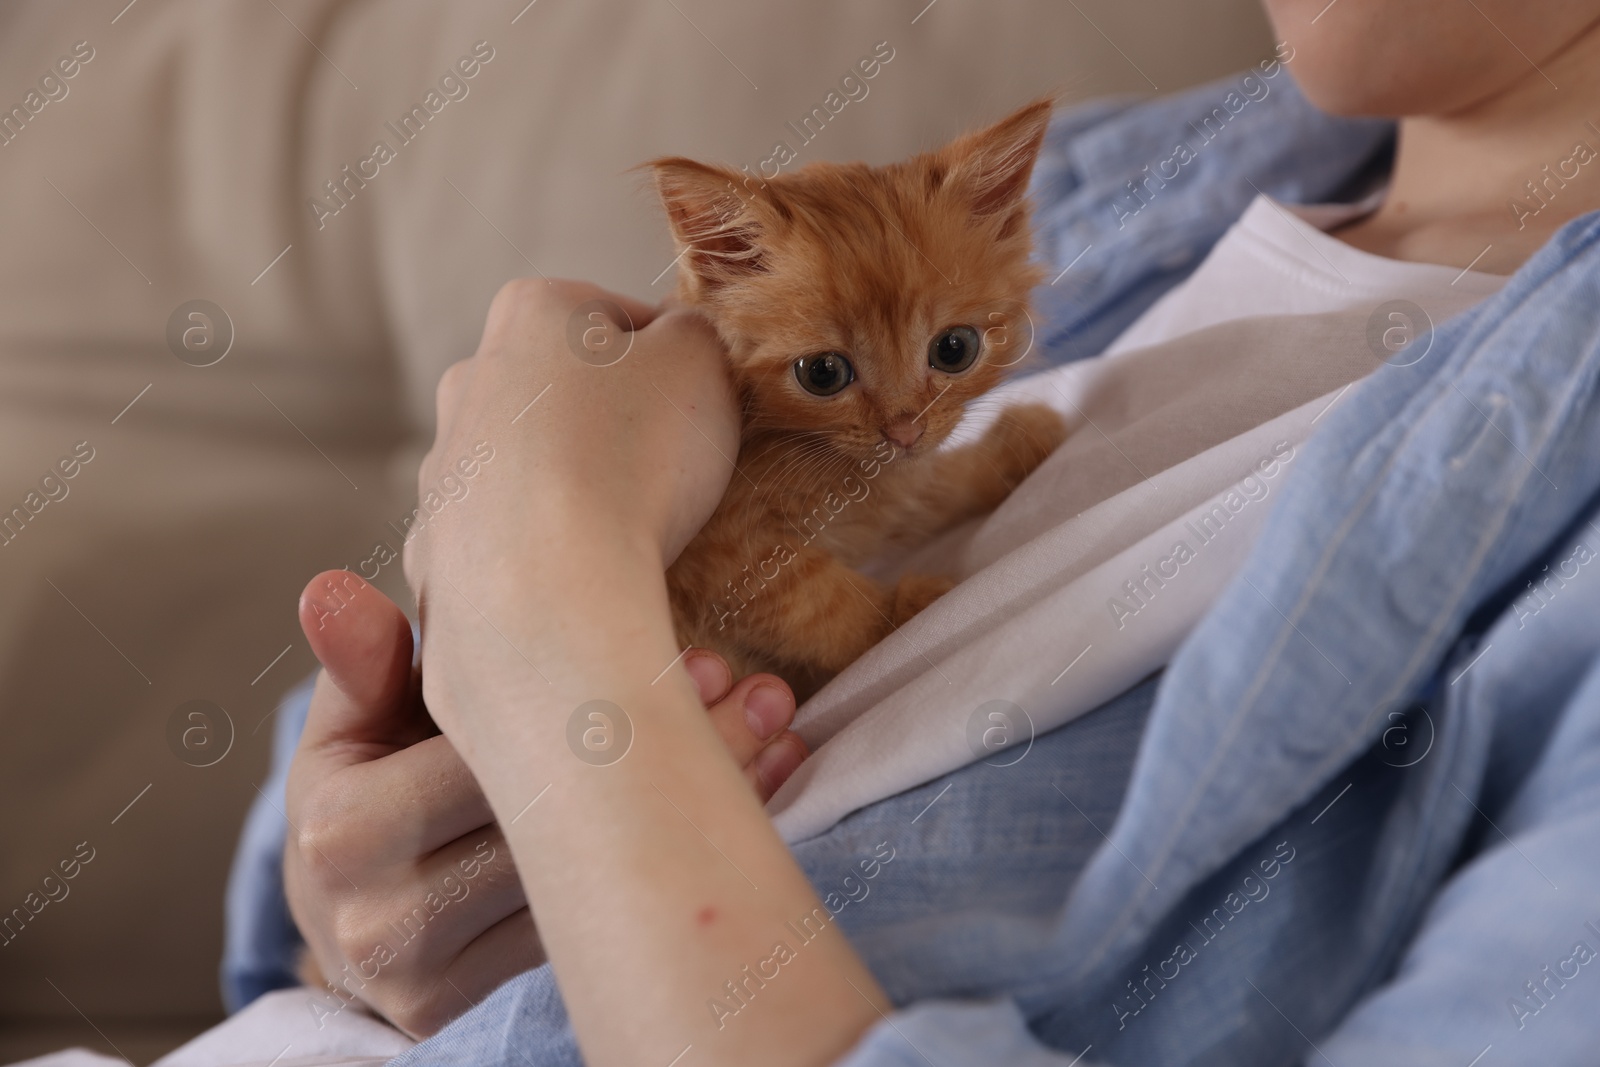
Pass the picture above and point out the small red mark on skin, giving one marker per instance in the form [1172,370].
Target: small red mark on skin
[706,915]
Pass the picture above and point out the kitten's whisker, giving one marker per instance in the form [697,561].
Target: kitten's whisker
[815,477]
[798,456]
[813,471]
[824,478]
[759,450]
[792,446]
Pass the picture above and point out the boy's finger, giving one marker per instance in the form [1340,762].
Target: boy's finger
[756,710]
[712,678]
[365,695]
[775,763]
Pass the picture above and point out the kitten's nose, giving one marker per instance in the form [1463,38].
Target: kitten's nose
[904,434]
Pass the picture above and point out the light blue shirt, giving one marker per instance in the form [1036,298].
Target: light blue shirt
[1357,819]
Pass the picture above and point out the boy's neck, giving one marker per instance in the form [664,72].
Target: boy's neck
[1489,184]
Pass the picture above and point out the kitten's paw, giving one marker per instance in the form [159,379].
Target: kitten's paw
[916,591]
[1022,438]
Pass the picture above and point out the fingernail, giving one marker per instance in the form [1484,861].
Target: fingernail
[709,675]
[767,709]
[775,763]
[332,595]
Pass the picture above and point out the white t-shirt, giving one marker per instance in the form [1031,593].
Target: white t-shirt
[1087,578]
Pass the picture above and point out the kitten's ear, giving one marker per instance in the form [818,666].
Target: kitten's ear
[713,218]
[992,165]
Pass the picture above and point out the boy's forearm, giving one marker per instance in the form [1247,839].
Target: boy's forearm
[656,879]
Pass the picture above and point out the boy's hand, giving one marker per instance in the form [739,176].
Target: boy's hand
[384,813]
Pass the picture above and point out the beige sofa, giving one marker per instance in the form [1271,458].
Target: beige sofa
[179,161]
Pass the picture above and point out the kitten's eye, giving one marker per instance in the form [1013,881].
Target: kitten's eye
[954,350]
[824,374]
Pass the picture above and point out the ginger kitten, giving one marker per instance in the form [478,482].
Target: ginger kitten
[862,309]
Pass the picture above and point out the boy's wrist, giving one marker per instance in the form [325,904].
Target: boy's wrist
[591,613]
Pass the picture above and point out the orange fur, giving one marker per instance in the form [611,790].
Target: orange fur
[872,263]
